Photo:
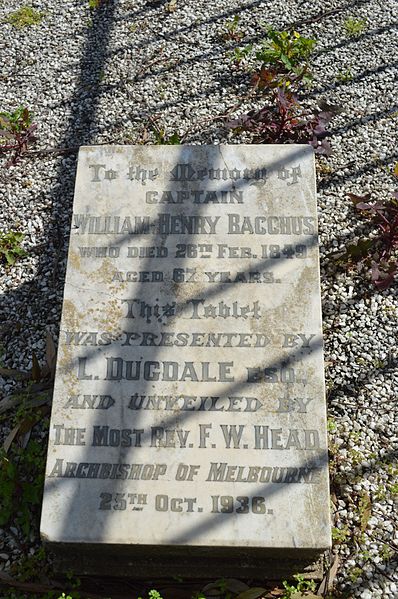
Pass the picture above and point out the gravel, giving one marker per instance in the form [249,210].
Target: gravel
[93,77]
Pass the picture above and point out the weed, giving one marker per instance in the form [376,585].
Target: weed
[355,573]
[16,132]
[28,566]
[22,478]
[354,27]
[239,54]
[323,169]
[365,511]
[22,456]
[168,140]
[331,425]
[231,30]
[380,494]
[25,16]
[340,535]
[393,488]
[153,594]
[344,76]
[378,364]
[386,553]
[10,247]
[160,134]
[301,587]
[284,121]
[95,4]
[284,59]
[376,254]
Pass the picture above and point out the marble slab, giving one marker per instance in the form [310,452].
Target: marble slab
[189,406]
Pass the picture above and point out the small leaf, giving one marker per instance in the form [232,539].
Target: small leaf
[36,370]
[324,148]
[51,354]
[365,507]
[361,248]
[286,62]
[356,198]
[9,257]
[18,375]
[327,583]
[395,171]
[10,438]
[384,283]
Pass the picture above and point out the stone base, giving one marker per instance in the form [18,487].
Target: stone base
[187,563]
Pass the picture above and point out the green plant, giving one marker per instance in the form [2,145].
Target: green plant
[167,140]
[344,76]
[16,132]
[94,4]
[237,55]
[10,246]
[355,573]
[153,594]
[284,59]
[365,510]
[22,456]
[24,17]
[162,137]
[386,553]
[331,425]
[231,30]
[340,535]
[393,488]
[301,586]
[27,567]
[354,27]
[22,478]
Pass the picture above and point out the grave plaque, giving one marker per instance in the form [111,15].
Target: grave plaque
[188,426]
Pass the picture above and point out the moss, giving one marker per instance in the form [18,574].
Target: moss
[25,16]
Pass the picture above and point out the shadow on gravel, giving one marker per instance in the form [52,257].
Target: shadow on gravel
[355,79]
[355,172]
[83,112]
[368,34]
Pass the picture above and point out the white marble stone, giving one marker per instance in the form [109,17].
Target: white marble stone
[189,403]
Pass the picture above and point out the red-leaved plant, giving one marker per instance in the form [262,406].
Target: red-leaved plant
[377,254]
[284,121]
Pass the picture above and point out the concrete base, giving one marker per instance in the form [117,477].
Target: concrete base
[192,563]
